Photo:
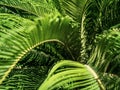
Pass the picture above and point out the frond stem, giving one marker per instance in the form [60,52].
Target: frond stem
[96,77]
[22,54]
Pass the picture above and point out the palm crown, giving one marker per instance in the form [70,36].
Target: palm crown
[59,44]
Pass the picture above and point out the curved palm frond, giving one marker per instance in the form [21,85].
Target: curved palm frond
[77,9]
[25,78]
[102,15]
[11,22]
[15,44]
[73,8]
[28,6]
[106,57]
[44,55]
[33,68]
[70,75]
[103,58]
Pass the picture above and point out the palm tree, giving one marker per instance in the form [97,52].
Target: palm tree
[59,45]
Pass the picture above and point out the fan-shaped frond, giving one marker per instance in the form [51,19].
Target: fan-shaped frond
[15,44]
[107,51]
[77,9]
[70,75]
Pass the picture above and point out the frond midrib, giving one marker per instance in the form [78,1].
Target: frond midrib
[17,7]
[25,52]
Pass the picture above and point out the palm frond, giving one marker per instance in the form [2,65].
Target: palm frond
[15,44]
[70,75]
[25,78]
[45,55]
[73,8]
[77,9]
[34,66]
[108,12]
[29,6]
[12,22]
[100,16]
[106,57]
[106,51]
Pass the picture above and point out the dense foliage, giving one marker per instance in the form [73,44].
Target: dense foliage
[59,44]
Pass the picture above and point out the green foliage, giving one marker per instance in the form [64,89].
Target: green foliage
[69,75]
[106,57]
[12,22]
[102,58]
[22,41]
[28,7]
[36,34]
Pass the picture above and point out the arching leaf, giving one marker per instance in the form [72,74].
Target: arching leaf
[70,75]
[101,58]
[16,43]
[29,6]
[12,22]
[73,8]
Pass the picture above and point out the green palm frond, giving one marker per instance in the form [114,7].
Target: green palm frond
[29,6]
[59,30]
[34,66]
[15,44]
[10,22]
[103,14]
[106,57]
[73,8]
[107,51]
[45,55]
[27,78]
[70,75]
[108,12]
[77,9]
[23,82]
[100,16]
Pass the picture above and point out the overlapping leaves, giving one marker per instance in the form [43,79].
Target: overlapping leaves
[12,22]
[102,58]
[106,57]
[70,75]
[73,8]
[15,44]
[28,6]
